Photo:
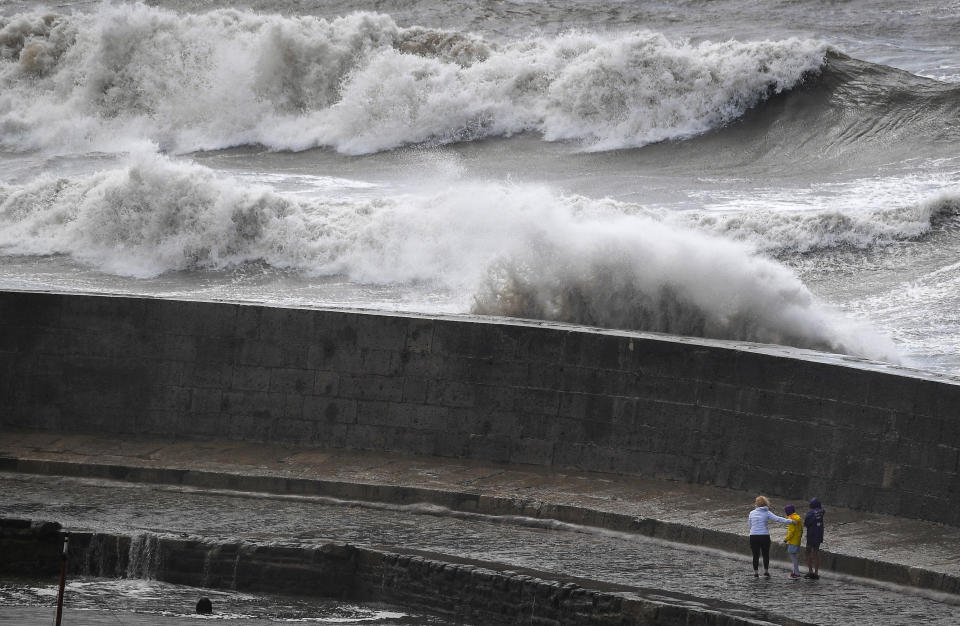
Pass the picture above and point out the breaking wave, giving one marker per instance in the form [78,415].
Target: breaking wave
[130,73]
[520,250]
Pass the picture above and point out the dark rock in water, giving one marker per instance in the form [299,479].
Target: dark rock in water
[204,606]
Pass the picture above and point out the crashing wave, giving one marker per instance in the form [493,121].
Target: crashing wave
[521,250]
[360,84]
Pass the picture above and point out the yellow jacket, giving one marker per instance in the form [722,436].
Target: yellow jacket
[795,530]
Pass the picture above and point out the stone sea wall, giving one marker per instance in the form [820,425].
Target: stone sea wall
[464,593]
[785,422]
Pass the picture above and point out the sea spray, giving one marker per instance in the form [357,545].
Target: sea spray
[125,74]
[637,274]
[521,250]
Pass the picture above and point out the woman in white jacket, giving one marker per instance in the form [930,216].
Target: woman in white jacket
[760,535]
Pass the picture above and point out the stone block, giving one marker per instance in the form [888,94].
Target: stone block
[326,384]
[157,422]
[207,374]
[374,412]
[14,339]
[599,458]
[768,373]
[30,309]
[177,347]
[567,453]
[201,424]
[419,364]
[937,399]
[667,359]
[531,400]
[259,403]
[489,448]
[496,398]
[167,372]
[918,427]
[218,349]
[588,380]
[248,322]
[540,344]
[415,390]
[289,430]
[531,451]
[328,410]
[287,326]
[288,380]
[598,351]
[893,393]
[365,437]
[869,421]
[169,398]
[329,435]
[250,378]
[370,387]
[204,401]
[713,394]
[424,418]
[251,426]
[411,441]
[419,335]
[102,313]
[452,394]
[381,332]
[381,362]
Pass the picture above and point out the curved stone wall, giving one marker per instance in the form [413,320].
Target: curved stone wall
[785,422]
[463,592]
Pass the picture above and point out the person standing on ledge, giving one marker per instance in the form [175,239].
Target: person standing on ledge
[814,523]
[760,535]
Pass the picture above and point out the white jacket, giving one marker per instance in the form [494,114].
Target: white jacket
[758,520]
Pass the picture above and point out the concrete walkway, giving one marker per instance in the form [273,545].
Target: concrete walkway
[885,548]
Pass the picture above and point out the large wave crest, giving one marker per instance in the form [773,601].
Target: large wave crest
[360,84]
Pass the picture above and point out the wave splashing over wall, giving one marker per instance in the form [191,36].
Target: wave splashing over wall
[520,250]
[361,83]
[634,273]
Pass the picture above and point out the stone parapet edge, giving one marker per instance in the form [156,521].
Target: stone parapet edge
[476,502]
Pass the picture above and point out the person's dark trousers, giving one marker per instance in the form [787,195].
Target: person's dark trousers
[760,544]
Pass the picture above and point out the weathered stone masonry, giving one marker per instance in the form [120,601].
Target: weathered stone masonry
[463,592]
[700,411]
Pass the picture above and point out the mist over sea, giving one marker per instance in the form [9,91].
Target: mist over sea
[782,172]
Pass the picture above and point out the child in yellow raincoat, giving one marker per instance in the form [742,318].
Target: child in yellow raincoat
[794,533]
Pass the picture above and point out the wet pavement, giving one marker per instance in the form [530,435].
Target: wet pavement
[590,553]
[913,543]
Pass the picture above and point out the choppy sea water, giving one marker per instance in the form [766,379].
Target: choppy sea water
[784,172]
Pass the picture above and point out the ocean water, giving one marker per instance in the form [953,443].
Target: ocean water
[782,172]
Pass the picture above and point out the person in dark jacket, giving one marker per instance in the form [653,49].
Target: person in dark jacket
[814,525]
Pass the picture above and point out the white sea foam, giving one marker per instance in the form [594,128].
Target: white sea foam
[521,250]
[126,74]
[782,231]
